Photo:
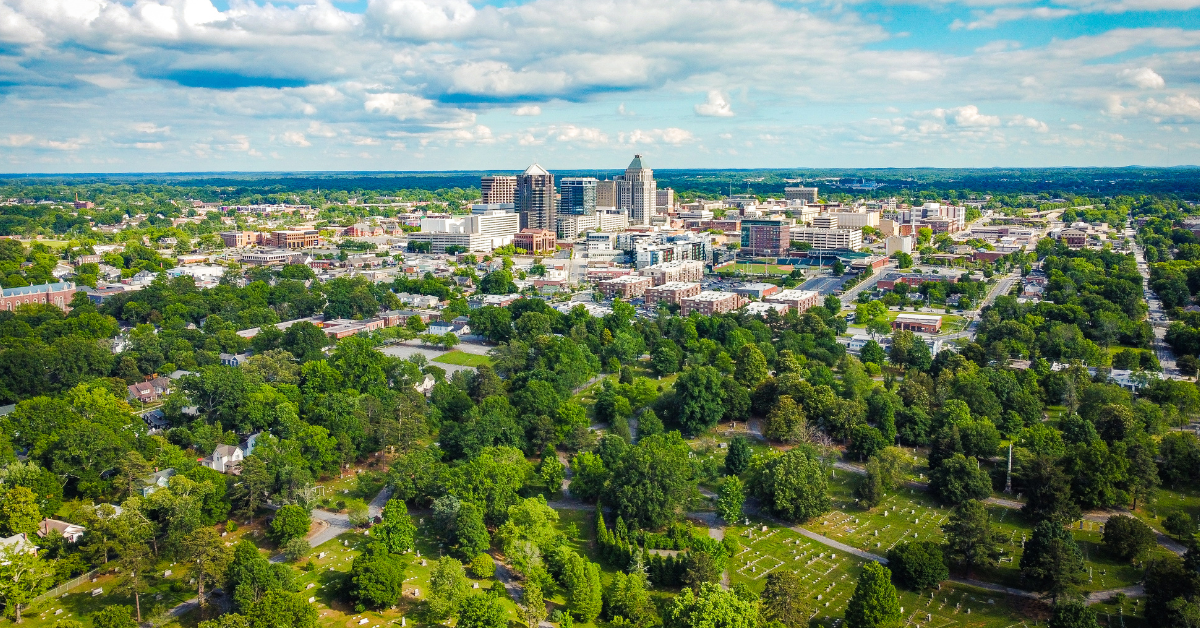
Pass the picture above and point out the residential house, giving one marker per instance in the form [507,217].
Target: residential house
[150,391]
[155,481]
[17,544]
[69,531]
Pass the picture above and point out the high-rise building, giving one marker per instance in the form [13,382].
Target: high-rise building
[498,189]
[577,196]
[636,192]
[535,199]
[665,199]
[606,194]
[808,195]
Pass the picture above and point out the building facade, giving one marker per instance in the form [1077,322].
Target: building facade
[238,239]
[294,239]
[828,239]
[577,196]
[673,292]
[711,302]
[56,294]
[535,240]
[478,232]
[637,192]
[535,199]
[808,195]
[920,323]
[498,189]
[606,194]
[766,237]
[626,287]
[798,300]
[674,272]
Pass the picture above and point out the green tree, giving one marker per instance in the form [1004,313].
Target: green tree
[376,579]
[397,530]
[483,566]
[870,490]
[448,586]
[786,422]
[552,470]
[652,482]
[918,565]
[665,357]
[470,531]
[737,459]
[699,399]
[701,569]
[290,522]
[731,499]
[792,485]
[116,616]
[23,576]
[959,479]
[1179,524]
[250,490]
[710,607]
[1073,614]
[751,366]
[875,603]
[1051,562]
[785,600]
[971,542]
[136,563]
[873,353]
[533,605]
[581,579]
[1047,489]
[296,549]
[1127,537]
[209,557]
[19,512]
[281,608]
[482,610]
[874,316]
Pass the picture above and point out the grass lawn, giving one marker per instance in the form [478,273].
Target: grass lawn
[79,604]
[757,269]
[460,358]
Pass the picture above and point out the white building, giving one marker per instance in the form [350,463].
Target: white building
[761,308]
[484,231]
[828,239]
[636,192]
[899,244]
[856,220]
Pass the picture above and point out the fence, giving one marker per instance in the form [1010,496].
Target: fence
[65,587]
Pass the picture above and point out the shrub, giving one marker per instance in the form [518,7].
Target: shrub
[483,566]
[918,564]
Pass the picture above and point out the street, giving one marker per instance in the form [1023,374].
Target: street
[1156,315]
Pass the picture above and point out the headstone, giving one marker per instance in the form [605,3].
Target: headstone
[167,573]
[311,600]
[364,620]
[97,592]
[309,586]
[58,611]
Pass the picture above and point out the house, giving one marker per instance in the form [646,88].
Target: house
[156,420]
[155,481]
[151,390]
[225,459]
[233,359]
[69,531]
[425,386]
[17,544]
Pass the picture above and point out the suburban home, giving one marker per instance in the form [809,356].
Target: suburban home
[228,458]
[150,391]
[234,359]
[155,481]
[17,543]
[425,386]
[69,531]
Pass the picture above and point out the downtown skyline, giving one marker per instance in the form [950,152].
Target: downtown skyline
[196,85]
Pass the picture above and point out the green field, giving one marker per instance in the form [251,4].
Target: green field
[758,269]
[461,358]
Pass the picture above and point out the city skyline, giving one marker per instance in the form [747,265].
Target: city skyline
[210,85]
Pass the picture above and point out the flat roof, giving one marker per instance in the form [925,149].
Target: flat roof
[676,285]
[919,318]
[712,295]
[793,294]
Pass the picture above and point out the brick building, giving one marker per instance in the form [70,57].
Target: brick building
[757,290]
[627,287]
[56,294]
[238,239]
[920,323]
[535,240]
[799,300]
[889,281]
[766,237]
[294,239]
[678,270]
[673,292]
[711,302]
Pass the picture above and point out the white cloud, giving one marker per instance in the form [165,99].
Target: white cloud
[1022,121]
[527,110]
[716,105]
[583,135]
[149,145]
[402,106]
[1010,14]
[1144,78]
[294,139]
[151,128]
[967,116]
[672,135]
[16,140]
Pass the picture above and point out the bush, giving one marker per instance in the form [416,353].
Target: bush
[918,565]
[1127,537]
[1180,524]
[296,549]
[290,522]
[483,566]
[114,617]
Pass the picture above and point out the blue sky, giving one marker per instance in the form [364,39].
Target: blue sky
[201,85]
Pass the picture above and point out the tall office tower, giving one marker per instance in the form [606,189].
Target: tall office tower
[636,192]
[498,189]
[535,199]
[665,198]
[577,196]
[606,194]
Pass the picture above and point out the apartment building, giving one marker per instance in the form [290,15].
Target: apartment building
[762,308]
[498,189]
[828,239]
[294,239]
[711,302]
[766,237]
[673,292]
[798,300]
[676,271]
[626,287]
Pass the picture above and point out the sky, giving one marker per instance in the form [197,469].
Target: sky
[250,85]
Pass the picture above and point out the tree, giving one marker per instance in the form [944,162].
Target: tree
[552,470]
[252,486]
[751,366]
[628,598]
[652,481]
[290,522]
[737,458]
[281,608]
[1052,562]
[786,422]
[23,576]
[1179,524]
[874,316]
[710,607]
[483,566]
[19,512]
[376,578]
[873,353]
[731,500]
[1047,489]
[792,485]
[470,531]
[533,605]
[699,399]
[1073,614]
[136,563]
[448,587]
[959,479]
[875,603]
[918,565]
[116,616]
[209,557]
[397,531]
[839,268]
[785,600]
[581,579]
[870,486]
[305,341]
[482,610]
[296,549]
[970,541]
[664,359]
[701,569]
[1127,537]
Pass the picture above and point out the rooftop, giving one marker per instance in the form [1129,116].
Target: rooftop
[918,318]
[713,295]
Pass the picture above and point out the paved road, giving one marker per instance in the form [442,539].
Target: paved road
[851,295]
[1157,316]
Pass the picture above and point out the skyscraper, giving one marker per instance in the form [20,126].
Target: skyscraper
[636,192]
[577,196]
[535,199]
[498,189]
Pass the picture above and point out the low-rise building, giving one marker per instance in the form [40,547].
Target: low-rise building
[889,281]
[828,239]
[155,481]
[626,287]
[919,323]
[762,308]
[294,239]
[898,244]
[672,292]
[711,302]
[757,290]
[57,294]
[679,270]
[535,240]
[70,532]
[767,237]
[1074,238]
[798,300]
[151,390]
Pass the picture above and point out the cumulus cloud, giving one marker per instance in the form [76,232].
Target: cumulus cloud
[1144,78]
[528,110]
[402,106]
[967,116]
[673,135]
[716,106]
[583,135]
[295,139]
[1009,14]
[1022,121]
